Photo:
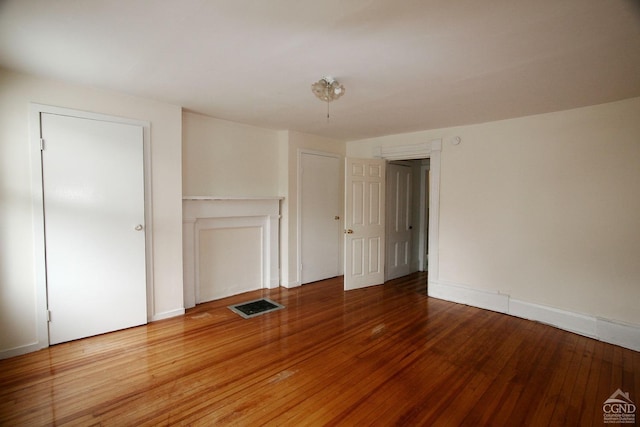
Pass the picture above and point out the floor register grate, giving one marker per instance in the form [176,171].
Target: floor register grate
[255,308]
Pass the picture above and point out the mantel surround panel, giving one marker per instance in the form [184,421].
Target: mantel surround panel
[203,215]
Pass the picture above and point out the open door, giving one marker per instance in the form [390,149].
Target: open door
[364,223]
[399,207]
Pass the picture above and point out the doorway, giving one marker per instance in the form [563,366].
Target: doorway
[432,152]
[407,217]
[428,231]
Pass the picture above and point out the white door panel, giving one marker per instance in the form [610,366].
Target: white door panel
[93,184]
[364,223]
[398,228]
[319,217]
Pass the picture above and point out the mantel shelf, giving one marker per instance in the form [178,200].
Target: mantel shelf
[231,198]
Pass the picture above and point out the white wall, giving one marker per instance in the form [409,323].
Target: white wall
[17,280]
[542,209]
[222,158]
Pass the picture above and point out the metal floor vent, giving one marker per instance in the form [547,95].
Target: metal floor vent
[255,308]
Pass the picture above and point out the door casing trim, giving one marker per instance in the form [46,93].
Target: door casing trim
[432,151]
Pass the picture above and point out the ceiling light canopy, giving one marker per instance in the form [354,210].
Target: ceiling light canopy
[327,89]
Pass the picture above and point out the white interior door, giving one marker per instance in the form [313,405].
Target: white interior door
[93,185]
[399,227]
[319,217]
[364,223]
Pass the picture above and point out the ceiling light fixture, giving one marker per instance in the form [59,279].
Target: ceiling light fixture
[327,89]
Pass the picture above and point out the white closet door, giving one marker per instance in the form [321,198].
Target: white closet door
[320,217]
[93,184]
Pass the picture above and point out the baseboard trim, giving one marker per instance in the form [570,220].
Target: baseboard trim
[274,283]
[464,295]
[293,284]
[18,351]
[618,333]
[167,314]
[606,330]
[567,320]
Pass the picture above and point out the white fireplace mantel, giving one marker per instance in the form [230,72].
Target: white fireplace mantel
[205,213]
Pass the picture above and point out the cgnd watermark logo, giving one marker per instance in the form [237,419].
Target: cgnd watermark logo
[619,408]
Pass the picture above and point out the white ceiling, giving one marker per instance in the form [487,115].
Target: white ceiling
[407,65]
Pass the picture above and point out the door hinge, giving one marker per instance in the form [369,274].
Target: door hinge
[41,144]
[48,315]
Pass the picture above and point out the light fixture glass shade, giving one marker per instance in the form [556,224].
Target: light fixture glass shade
[327,89]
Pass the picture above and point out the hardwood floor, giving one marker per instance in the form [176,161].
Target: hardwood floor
[386,355]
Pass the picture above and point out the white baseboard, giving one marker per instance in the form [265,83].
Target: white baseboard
[609,331]
[567,320]
[167,314]
[293,284]
[618,333]
[18,351]
[457,293]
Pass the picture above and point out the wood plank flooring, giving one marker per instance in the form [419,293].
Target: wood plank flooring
[386,355]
